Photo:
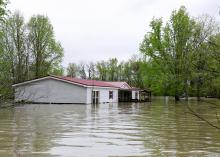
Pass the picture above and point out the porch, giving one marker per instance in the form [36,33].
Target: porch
[130,95]
[124,95]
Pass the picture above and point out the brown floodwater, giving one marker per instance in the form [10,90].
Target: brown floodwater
[159,128]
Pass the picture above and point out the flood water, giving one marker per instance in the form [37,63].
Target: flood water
[155,129]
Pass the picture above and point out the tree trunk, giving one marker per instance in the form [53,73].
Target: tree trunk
[186,89]
[198,93]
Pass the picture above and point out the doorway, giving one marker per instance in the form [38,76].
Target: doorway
[124,96]
[95,97]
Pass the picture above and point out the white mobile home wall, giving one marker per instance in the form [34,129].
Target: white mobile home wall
[104,94]
[51,91]
[56,91]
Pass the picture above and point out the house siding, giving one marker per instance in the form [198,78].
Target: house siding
[51,91]
[104,95]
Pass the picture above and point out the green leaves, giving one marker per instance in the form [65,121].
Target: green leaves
[28,50]
[45,49]
[179,50]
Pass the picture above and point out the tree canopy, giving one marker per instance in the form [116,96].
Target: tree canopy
[28,50]
[181,51]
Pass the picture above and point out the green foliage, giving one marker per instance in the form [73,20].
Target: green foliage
[82,70]
[102,70]
[154,78]
[5,81]
[14,46]
[3,10]
[180,55]
[72,70]
[46,51]
[28,51]
[110,70]
[57,71]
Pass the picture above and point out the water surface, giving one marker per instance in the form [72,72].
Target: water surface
[155,129]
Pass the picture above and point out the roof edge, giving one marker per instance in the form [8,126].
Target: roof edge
[29,81]
[60,79]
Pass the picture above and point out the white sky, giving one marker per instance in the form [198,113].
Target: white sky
[91,30]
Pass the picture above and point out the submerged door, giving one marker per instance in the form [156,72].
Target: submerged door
[125,96]
[136,95]
[95,97]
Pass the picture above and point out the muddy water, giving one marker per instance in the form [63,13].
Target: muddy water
[155,129]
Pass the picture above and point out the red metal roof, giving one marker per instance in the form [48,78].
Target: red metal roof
[86,82]
[122,85]
[83,82]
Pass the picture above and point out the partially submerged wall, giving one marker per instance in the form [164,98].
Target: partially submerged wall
[50,91]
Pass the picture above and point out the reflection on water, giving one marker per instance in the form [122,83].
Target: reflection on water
[125,129]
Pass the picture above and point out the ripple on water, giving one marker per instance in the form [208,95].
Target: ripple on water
[127,129]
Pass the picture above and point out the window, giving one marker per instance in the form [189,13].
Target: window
[110,94]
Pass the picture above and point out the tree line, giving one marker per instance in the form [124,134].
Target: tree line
[28,50]
[183,55]
[178,58]
[110,70]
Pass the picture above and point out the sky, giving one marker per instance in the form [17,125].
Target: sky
[93,30]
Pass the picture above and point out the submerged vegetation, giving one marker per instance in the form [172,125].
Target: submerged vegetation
[178,58]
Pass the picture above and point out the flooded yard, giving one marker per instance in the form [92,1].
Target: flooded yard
[155,129]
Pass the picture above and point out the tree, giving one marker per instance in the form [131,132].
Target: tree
[5,80]
[14,40]
[27,51]
[82,70]
[57,70]
[120,70]
[102,70]
[213,67]
[127,72]
[72,70]
[112,69]
[91,70]
[169,47]
[3,11]
[45,50]
[155,78]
